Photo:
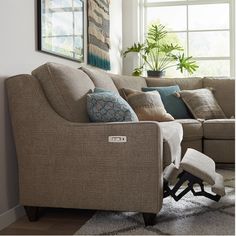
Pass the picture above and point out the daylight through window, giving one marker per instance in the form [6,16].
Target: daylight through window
[204,28]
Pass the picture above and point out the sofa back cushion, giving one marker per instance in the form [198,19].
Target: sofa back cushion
[224,92]
[100,78]
[66,89]
[129,82]
[183,83]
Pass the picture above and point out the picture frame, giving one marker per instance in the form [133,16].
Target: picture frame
[61,28]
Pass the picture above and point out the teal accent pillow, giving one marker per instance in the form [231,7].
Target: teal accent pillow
[172,104]
[101,90]
[109,107]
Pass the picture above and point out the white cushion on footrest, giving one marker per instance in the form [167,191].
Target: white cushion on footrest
[199,165]
[219,187]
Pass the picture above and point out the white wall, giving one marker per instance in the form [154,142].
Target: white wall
[130,33]
[18,54]
[116,36]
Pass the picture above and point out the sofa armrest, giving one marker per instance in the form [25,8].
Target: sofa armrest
[72,165]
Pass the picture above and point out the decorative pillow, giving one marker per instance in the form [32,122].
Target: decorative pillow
[147,106]
[109,107]
[172,104]
[202,104]
[102,90]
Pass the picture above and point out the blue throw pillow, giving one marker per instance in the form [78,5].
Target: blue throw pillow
[101,90]
[172,104]
[109,107]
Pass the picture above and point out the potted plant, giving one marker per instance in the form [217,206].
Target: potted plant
[158,55]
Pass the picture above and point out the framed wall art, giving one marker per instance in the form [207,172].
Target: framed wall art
[61,28]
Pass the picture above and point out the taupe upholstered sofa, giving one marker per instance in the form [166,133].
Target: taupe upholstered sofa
[215,138]
[66,161]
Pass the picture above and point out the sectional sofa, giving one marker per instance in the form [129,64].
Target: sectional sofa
[215,138]
[66,161]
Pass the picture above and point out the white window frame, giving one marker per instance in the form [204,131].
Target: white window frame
[142,19]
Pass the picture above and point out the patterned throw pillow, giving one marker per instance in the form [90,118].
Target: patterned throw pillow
[147,106]
[172,104]
[102,90]
[109,107]
[202,104]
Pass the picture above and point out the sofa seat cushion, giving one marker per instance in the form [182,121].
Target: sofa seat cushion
[192,129]
[65,88]
[172,135]
[219,129]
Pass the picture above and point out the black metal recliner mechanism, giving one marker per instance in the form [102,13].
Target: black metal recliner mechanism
[194,169]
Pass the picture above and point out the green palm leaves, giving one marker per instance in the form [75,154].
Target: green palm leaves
[158,55]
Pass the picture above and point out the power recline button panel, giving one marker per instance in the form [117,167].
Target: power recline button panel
[117,139]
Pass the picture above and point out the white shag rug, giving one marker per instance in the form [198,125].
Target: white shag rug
[189,216]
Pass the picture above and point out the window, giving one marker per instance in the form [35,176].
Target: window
[61,28]
[204,28]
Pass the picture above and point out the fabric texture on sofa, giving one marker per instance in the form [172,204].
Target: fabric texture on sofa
[66,161]
[100,78]
[224,92]
[129,82]
[192,129]
[222,129]
[63,164]
[183,83]
[221,151]
[208,143]
[66,88]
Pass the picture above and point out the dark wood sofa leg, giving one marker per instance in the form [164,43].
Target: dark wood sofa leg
[149,219]
[32,213]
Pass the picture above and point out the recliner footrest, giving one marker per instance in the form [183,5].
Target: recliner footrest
[218,187]
[195,168]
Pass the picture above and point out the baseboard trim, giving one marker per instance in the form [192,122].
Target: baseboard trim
[11,216]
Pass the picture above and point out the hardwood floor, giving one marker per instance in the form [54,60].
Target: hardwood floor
[51,222]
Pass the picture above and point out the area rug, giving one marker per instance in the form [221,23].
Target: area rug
[189,216]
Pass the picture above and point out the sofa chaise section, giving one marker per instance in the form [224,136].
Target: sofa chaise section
[215,138]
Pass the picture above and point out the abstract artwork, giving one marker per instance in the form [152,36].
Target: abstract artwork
[99,33]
